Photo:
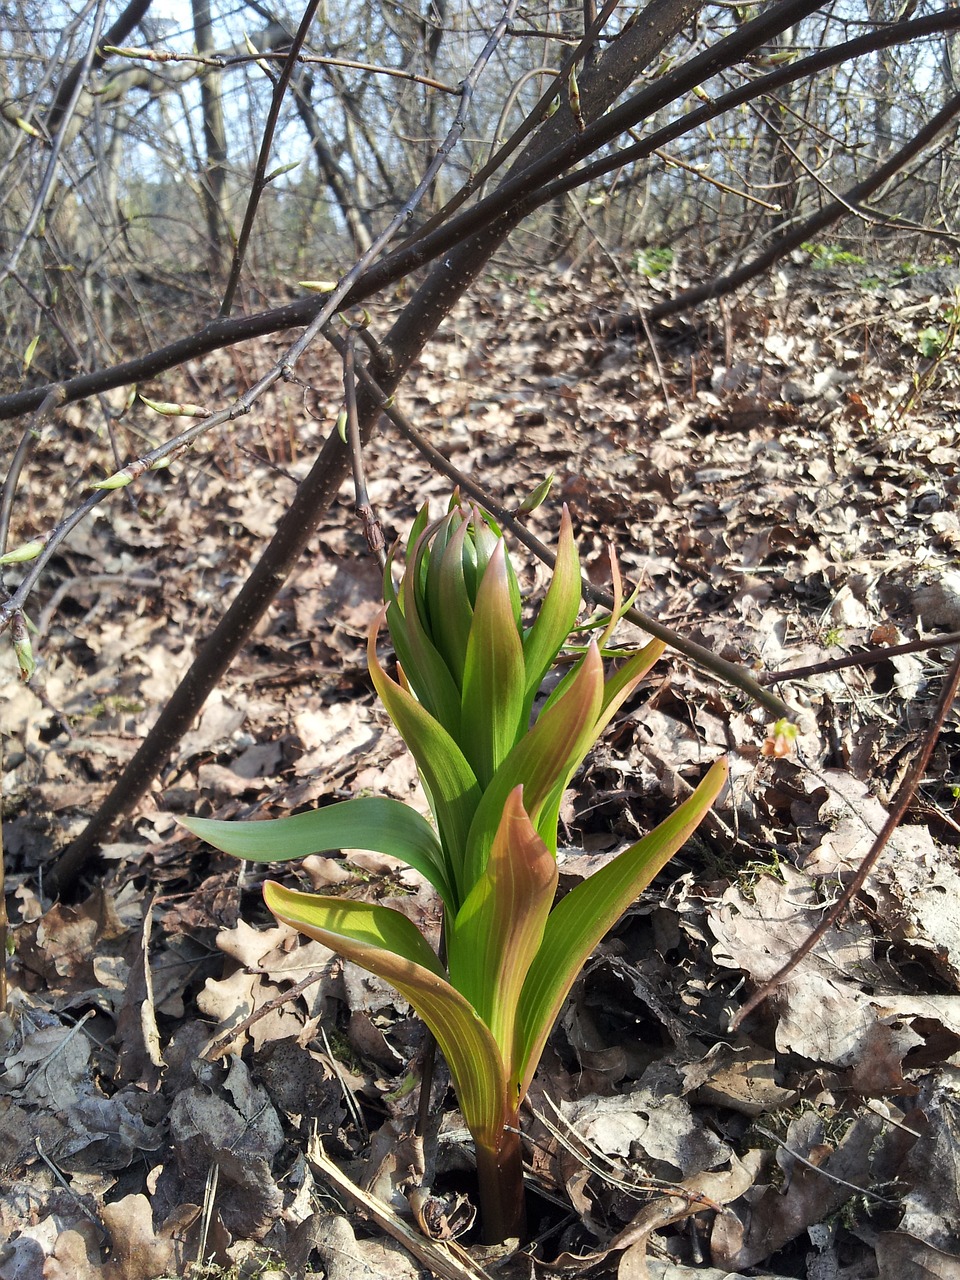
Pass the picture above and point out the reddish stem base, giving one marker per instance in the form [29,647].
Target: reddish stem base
[502,1197]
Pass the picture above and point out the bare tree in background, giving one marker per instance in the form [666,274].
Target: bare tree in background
[670,101]
[214,177]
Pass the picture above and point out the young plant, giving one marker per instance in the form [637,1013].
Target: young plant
[468,675]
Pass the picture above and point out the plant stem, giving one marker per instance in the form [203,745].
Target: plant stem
[502,1198]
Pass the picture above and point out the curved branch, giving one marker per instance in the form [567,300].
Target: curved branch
[224,333]
[59,138]
[131,17]
[898,810]
[258,185]
[506,200]
[807,230]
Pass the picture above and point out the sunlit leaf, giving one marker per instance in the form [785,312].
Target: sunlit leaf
[493,674]
[619,686]
[557,614]
[452,614]
[498,930]
[581,919]
[542,762]
[424,668]
[451,783]
[30,352]
[367,822]
[387,944]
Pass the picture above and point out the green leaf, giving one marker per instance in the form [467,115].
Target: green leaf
[498,930]
[493,674]
[542,762]
[424,668]
[433,544]
[450,782]
[581,919]
[367,822]
[387,944]
[619,686]
[557,615]
[452,614]
[30,352]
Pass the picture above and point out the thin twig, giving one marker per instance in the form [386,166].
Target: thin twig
[259,183]
[53,162]
[285,365]
[700,172]
[894,818]
[532,121]
[372,528]
[444,1258]
[4,918]
[627,286]
[222,62]
[53,397]
[349,1101]
[520,193]
[868,658]
[824,1173]
[222,1046]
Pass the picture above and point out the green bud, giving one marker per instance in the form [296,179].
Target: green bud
[318,286]
[30,352]
[119,480]
[24,553]
[172,410]
[281,170]
[22,648]
[534,500]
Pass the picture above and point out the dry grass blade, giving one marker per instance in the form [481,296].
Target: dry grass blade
[447,1260]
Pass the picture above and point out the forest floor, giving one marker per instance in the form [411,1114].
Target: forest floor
[781,479]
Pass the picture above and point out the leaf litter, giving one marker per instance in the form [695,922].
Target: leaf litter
[794,500]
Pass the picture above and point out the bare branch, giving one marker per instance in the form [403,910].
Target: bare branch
[266,145]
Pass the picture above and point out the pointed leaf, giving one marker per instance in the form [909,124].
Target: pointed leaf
[486,535]
[423,664]
[368,822]
[354,926]
[498,930]
[617,688]
[424,668]
[493,674]
[621,684]
[557,615]
[581,919]
[451,612]
[450,782]
[543,762]
[388,944]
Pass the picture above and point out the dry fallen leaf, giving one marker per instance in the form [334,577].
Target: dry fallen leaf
[137,1252]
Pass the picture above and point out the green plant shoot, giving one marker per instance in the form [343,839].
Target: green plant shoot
[468,675]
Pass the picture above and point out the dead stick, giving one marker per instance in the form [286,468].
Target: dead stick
[222,1046]
[868,658]
[895,817]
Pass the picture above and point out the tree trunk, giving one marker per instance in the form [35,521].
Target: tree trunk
[214,178]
